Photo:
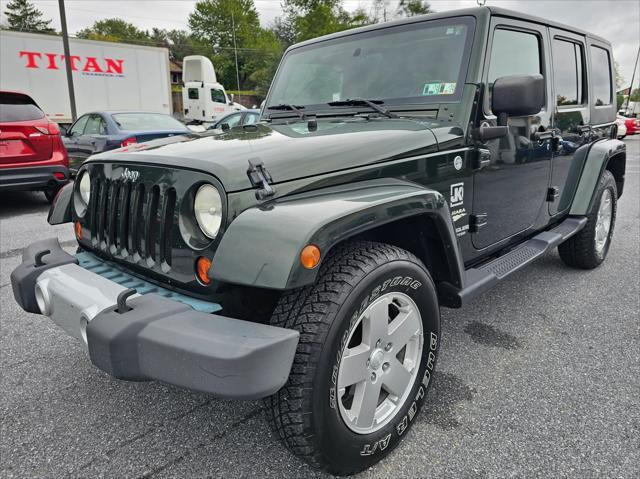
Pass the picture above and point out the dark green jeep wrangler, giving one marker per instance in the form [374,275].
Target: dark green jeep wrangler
[397,168]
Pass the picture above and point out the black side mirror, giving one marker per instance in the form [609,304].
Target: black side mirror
[521,95]
[225,127]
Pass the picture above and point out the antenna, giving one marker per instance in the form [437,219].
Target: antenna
[235,51]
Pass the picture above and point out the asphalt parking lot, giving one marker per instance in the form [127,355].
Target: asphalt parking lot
[539,378]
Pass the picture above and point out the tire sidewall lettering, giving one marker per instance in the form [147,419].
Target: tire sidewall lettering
[383,440]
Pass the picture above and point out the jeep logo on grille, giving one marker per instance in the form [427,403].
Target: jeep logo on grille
[130,175]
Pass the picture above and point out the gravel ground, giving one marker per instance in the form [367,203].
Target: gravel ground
[538,378]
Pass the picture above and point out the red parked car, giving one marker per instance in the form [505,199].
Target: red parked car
[32,156]
[632,124]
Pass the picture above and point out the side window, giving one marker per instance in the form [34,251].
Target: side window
[232,120]
[601,76]
[218,96]
[95,126]
[78,127]
[514,53]
[250,119]
[193,93]
[568,67]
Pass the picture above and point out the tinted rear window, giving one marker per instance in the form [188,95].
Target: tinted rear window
[146,122]
[18,108]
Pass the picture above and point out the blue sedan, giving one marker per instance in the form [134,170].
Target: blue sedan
[100,131]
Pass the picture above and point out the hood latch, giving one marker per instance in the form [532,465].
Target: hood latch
[260,179]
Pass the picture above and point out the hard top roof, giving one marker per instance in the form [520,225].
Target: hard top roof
[477,12]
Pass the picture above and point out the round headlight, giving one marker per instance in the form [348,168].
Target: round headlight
[82,194]
[208,210]
[85,187]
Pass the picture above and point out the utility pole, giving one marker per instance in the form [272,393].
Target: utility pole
[633,77]
[67,60]
[235,51]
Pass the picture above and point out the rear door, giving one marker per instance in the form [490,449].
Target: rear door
[572,115]
[509,193]
[24,135]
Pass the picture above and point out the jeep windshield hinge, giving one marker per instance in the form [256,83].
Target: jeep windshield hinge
[260,179]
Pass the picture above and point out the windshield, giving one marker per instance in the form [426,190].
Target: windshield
[146,122]
[417,63]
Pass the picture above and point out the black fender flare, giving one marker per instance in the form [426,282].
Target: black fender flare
[261,247]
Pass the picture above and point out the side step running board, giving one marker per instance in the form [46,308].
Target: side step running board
[485,276]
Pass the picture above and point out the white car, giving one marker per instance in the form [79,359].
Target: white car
[622,128]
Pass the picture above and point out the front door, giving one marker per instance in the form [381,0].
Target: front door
[510,192]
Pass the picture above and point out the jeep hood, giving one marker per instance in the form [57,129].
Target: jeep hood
[289,151]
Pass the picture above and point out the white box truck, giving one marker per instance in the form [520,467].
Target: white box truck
[106,76]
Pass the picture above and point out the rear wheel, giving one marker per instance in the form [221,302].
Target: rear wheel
[589,248]
[369,336]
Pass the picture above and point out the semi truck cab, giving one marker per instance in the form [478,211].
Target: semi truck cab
[204,99]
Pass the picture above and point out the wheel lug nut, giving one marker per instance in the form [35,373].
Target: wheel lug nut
[378,343]
[368,362]
[388,347]
[373,376]
[385,367]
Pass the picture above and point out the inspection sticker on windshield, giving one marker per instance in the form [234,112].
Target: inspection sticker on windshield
[438,88]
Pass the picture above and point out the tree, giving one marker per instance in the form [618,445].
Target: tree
[618,76]
[24,16]
[215,21]
[314,18]
[114,30]
[410,8]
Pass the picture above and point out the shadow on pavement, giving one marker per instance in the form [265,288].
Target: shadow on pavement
[14,203]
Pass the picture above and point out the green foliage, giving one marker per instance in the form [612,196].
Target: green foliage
[22,15]
[258,49]
[619,101]
[410,8]
[114,30]
[313,18]
[635,95]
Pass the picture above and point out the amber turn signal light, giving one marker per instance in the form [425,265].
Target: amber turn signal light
[78,229]
[202,269]
[310,256]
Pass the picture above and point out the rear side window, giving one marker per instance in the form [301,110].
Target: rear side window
[514,53]
[193,93]
[568,72]
[601,76]
[18,108]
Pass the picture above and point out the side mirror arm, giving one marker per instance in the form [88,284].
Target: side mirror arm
[486,132]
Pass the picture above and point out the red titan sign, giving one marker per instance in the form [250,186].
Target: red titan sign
[85,64]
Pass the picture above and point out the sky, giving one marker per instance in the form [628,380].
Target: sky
[616,20]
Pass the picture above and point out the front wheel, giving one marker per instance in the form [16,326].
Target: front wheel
[588,248]
[369,337]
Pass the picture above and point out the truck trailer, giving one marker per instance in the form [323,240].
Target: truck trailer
[106,75]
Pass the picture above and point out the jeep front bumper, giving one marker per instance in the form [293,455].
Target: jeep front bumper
[152,337]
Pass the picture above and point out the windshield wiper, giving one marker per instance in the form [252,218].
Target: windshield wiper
[373,104]
[294,108]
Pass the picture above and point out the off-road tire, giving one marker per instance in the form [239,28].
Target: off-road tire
[580,251]
[304,413]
